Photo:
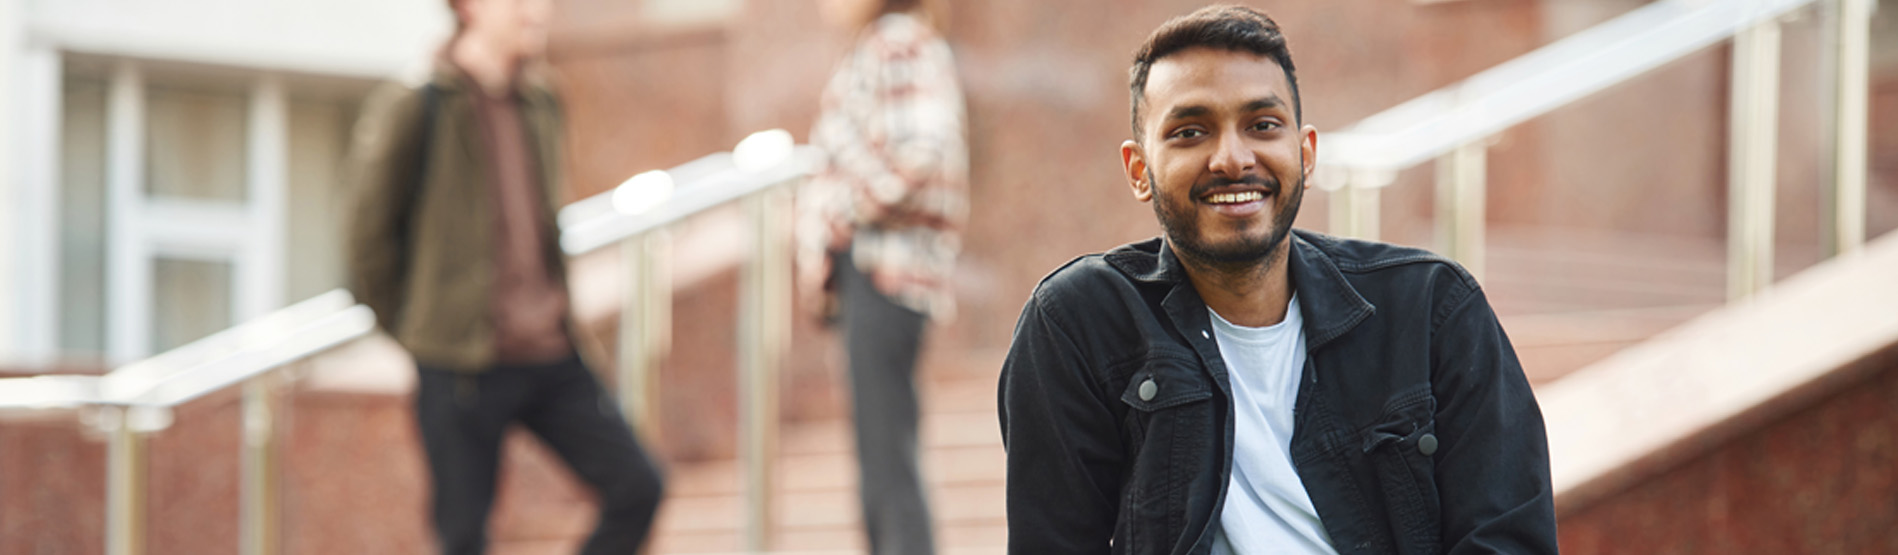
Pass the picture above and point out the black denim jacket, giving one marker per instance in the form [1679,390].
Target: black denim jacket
[1415,429]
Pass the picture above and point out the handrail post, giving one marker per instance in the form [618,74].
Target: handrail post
[1366,201]
[125,484]
[261,522]
[1750,159]
[1340,208]
[1344,213]
[1462,198]
[1354,205]
[764,332]
[1851,43]
[645,331]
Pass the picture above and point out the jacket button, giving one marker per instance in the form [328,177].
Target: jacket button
[1427,444]
[1148,389]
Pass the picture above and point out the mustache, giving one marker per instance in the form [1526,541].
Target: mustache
[1271,185]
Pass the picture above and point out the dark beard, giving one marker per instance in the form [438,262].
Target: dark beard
[1181,225]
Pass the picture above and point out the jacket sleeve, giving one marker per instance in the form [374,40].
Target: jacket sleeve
[384,156]
[1492,467]
[1064,456]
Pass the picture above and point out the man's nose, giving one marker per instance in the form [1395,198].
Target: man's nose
[1232,159]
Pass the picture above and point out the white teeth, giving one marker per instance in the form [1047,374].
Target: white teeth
[1235,198]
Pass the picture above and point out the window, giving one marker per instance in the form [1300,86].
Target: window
[194,141]
[82,222]
[319,201]
[190,299]
[227,201]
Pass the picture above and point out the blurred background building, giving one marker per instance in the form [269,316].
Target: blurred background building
[172,166]
[169,168]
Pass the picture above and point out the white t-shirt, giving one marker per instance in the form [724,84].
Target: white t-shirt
[1266,510]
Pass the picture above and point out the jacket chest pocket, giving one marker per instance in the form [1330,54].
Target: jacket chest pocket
[1170,426]
[1401,449]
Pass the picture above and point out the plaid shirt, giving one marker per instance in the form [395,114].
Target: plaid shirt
[894,186]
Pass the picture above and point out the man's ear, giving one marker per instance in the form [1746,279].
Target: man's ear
[1134,160]
[1309,147]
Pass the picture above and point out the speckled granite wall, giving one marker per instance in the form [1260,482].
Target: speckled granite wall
[1822,480]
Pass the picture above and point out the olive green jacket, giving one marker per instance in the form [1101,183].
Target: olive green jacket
[421,254]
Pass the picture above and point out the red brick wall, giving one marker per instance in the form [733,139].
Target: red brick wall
[354,481]
[52,489]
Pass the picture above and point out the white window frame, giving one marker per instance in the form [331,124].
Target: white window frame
[34,220]
[248,235]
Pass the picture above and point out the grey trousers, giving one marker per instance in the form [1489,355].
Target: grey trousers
[883,340]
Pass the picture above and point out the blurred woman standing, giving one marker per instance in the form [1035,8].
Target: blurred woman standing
[878,234]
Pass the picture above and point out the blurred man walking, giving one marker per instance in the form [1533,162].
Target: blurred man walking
[456,249]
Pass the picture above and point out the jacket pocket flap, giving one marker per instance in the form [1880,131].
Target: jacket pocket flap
[1406,416]
[1165,382]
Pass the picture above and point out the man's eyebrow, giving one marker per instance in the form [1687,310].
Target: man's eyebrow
[1266,103]
[1190,111]
[1196,110]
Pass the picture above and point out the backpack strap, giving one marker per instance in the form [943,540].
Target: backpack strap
[431,105]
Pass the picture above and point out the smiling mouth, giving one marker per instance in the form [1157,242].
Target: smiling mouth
[1234,198]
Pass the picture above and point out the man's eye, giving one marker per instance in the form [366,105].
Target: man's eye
[1188,133]
[1265,126]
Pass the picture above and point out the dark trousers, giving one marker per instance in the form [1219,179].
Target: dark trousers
[463,417]
[883,339]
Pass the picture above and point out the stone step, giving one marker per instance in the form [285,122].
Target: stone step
[815,484]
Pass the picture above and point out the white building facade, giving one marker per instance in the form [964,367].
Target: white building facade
[171,167]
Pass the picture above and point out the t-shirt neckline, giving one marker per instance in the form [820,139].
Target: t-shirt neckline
[1264,334]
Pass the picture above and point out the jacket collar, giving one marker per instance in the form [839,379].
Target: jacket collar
[533,81]
[1328,302]
[540,110]
[1149,261]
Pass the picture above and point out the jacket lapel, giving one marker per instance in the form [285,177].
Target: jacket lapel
[456,124]
[1329,304]
[541,116]
[1187,311]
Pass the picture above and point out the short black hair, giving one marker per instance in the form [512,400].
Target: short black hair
[1225,27]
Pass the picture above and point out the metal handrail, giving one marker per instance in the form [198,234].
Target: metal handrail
[49,392]
[231,356]
[623,216]
[209,364]
[137,398]
[1541,81]
[1453,125]
[716,179]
